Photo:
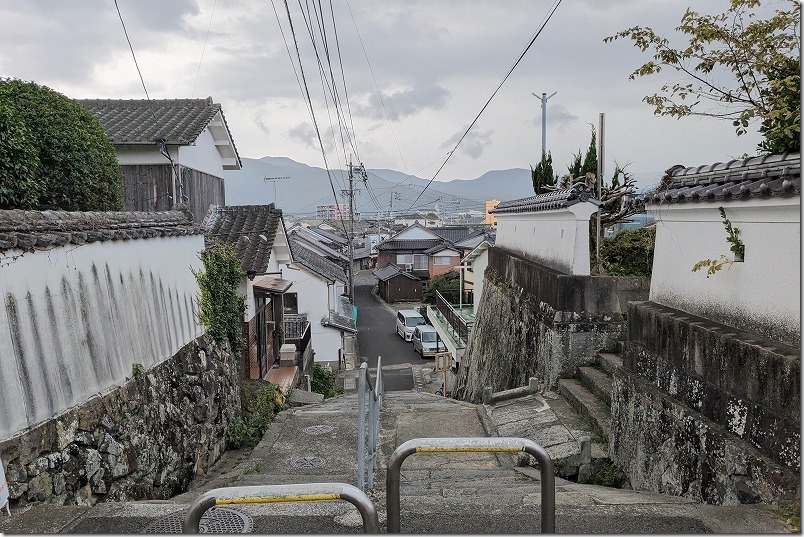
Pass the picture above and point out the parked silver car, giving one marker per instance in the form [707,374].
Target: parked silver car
[426,341]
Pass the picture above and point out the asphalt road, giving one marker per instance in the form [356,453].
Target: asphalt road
[376,336]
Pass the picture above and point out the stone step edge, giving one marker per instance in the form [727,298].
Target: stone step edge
[586,404]
[596,381]
[609,362]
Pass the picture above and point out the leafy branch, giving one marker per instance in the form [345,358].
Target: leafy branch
[737,248]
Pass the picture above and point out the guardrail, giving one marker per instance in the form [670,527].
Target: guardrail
[369,402]
[471,445]
[452,317]
[283,493]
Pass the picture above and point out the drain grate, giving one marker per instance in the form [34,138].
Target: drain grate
[312,461]
[318,429]
[215,520]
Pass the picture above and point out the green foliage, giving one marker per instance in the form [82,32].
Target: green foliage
[737,248]
[54,153]
[221,308]
[629,253]
[590,159]
[733,237]
[448,284]
[608,476]
[746,65]
[543,175]
[260,401]
[323,382]
[137,371]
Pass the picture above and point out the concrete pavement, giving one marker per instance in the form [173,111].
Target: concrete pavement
[463,493]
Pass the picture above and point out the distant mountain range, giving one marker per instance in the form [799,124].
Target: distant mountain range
[298,188]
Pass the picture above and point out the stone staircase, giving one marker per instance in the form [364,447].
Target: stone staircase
[589,393]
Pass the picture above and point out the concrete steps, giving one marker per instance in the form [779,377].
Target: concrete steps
[589,394]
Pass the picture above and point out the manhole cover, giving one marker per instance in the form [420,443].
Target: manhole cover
[215,520]
[308,462]
[318,429]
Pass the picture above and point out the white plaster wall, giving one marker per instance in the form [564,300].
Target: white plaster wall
[764,290]
[479,266]
[316,298]
[558,239]
[76,319]
[202,156]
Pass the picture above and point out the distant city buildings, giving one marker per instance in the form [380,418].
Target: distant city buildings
[490,219]
[336,211]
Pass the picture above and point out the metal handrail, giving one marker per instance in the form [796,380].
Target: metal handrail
[453,318]
[305,492]
[471,445]
[368,425]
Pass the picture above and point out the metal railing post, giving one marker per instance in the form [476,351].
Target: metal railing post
[283,493]
[361,426]
[469,445]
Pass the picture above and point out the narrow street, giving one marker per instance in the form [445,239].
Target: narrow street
[376,335]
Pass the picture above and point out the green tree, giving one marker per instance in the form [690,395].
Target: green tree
[221,307]
[738,66]
[54,154]
[590,160]
[543,175]
[448,284]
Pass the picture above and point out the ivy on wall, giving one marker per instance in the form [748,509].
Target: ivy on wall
[221,307]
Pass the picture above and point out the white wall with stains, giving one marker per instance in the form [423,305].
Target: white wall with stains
[75,320]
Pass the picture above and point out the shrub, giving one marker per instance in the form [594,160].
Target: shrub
[448,284]
[630,252]
[54,154]
[260,401]
[324,382]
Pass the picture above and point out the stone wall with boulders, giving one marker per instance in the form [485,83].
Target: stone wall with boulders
[533,321]
[706,411]
[143,440]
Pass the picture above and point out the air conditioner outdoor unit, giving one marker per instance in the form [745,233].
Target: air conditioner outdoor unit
[408,266]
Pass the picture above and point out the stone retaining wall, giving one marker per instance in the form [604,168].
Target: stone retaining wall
[705,410]
[533,321]
[143,440]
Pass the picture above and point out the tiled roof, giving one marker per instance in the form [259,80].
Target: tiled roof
[42,230]
[419,245]
[320,265]
[249,229]
[757,177]
[131,121]
[389,271]
[313,242]
[343,318]
[558,199]
[454,234]
[440,247]
[474,240]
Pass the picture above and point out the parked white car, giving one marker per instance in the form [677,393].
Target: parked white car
[426,341]
[406,321]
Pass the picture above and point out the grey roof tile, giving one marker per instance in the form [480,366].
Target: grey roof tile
[249,229]
[43,230]
[417,245]
[320,265]
[389,271]
[756,177]
[140,121]
[558,199]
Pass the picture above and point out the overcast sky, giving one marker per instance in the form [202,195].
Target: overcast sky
[435,62]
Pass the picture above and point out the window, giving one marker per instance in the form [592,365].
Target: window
[291,303]
[404,259]
[419,262]
[442,260]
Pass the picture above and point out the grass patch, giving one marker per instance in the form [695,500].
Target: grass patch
[260,401]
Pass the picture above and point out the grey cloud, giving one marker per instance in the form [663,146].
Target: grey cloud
[305,133]
[405,103]
[473,144]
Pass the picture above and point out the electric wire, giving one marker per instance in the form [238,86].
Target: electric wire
[315,123]
[511,70]
[204,48]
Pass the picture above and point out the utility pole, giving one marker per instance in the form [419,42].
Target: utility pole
[544,98]
[359,169]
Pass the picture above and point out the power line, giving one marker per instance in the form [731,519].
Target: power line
[519,59]
[312,112]
[204,48]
